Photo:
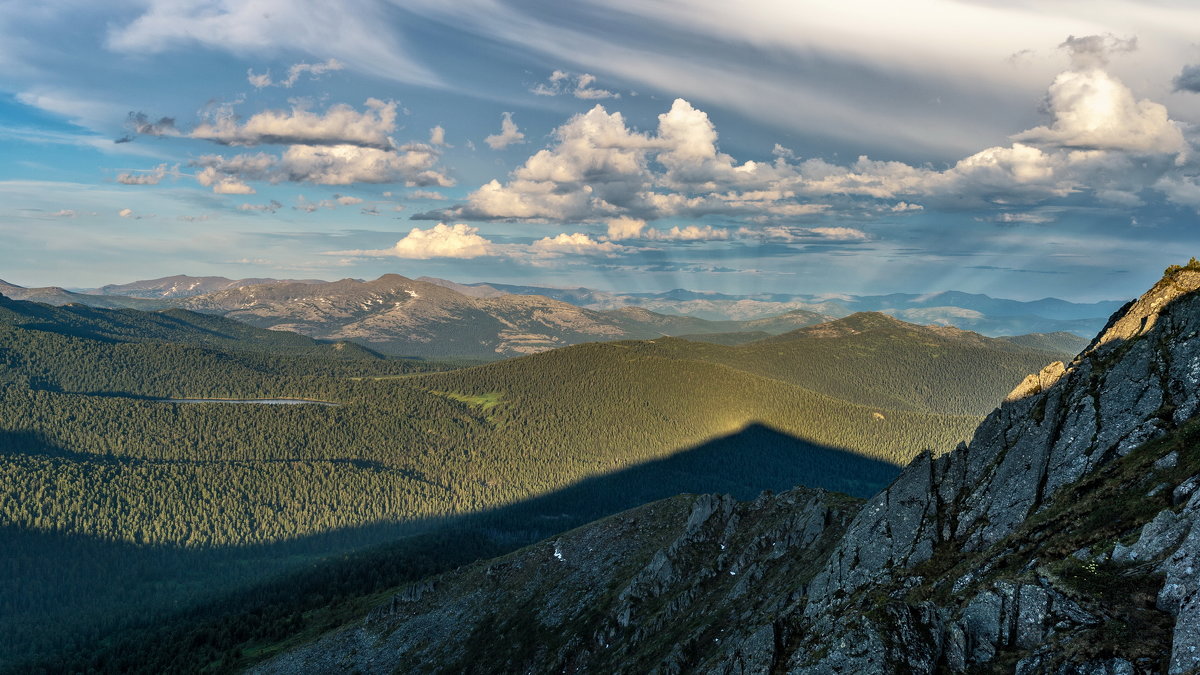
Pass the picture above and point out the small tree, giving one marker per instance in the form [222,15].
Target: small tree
[1192,264]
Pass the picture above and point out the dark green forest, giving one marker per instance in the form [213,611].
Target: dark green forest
[128,520]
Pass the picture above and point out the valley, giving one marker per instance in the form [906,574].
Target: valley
[605,337]
[504,453]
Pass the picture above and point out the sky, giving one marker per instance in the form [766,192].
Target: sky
[1018,149]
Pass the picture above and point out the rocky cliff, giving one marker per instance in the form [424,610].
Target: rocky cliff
[1064,538]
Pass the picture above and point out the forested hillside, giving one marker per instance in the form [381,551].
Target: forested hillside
[874,359]
[99,469]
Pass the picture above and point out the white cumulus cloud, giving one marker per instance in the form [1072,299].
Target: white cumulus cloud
[509,134]
[341,124]
[439,241]
[1095,111]
[577,243]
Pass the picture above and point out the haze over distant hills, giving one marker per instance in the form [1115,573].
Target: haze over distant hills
[972,311]
[402,316]
[183,286]
[55,295]
[437,318]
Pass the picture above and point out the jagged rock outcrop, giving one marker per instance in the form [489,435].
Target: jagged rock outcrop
[667,586]
[1064,538]
[1138,380]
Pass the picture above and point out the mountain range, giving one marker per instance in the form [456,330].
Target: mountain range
[183,286]
[436,318]
[972,311]
[1064,538]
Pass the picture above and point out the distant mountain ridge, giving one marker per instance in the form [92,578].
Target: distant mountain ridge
[971,311]
[183,286]
[436,318]
[403,316]
[55,295]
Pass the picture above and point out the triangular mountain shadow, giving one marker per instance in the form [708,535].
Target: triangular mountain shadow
[742,464]
[56,584]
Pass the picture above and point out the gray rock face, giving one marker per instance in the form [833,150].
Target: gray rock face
[1106,403]
[1135,382]
[1180,594]
[672,587]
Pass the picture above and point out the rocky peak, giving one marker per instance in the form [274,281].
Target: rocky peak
[1139,317]
[1139,380]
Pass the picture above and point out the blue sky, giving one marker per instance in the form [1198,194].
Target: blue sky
[852,147]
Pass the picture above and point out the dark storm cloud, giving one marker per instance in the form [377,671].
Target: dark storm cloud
[141,124]
[1188,79]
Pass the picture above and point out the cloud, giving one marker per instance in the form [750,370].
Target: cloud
[577,243]
[1093,51]
[1182,190]
[1014,217]
[341,124]
[839,233]
[362,38]
[228,176]
[269,207]
[258,81]
[553,87]
[688,233]
[1102,141]
[150,177]
[229,186]
[314,70]
[1095,111]
[64,213]
[426,194]
[585,90]
[1188,79]
[579,86]
[439,241]
[412,164]
[303,204]
[125,213]
[437,136]
[346,164]
[509,134]
[141,124]
[598,168]
[624,228]
[790,234]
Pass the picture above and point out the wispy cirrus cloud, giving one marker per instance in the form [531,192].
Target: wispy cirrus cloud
[359,35]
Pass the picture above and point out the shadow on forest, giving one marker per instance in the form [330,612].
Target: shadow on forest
[64,593]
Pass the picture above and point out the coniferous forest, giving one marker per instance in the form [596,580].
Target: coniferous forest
[141,533]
